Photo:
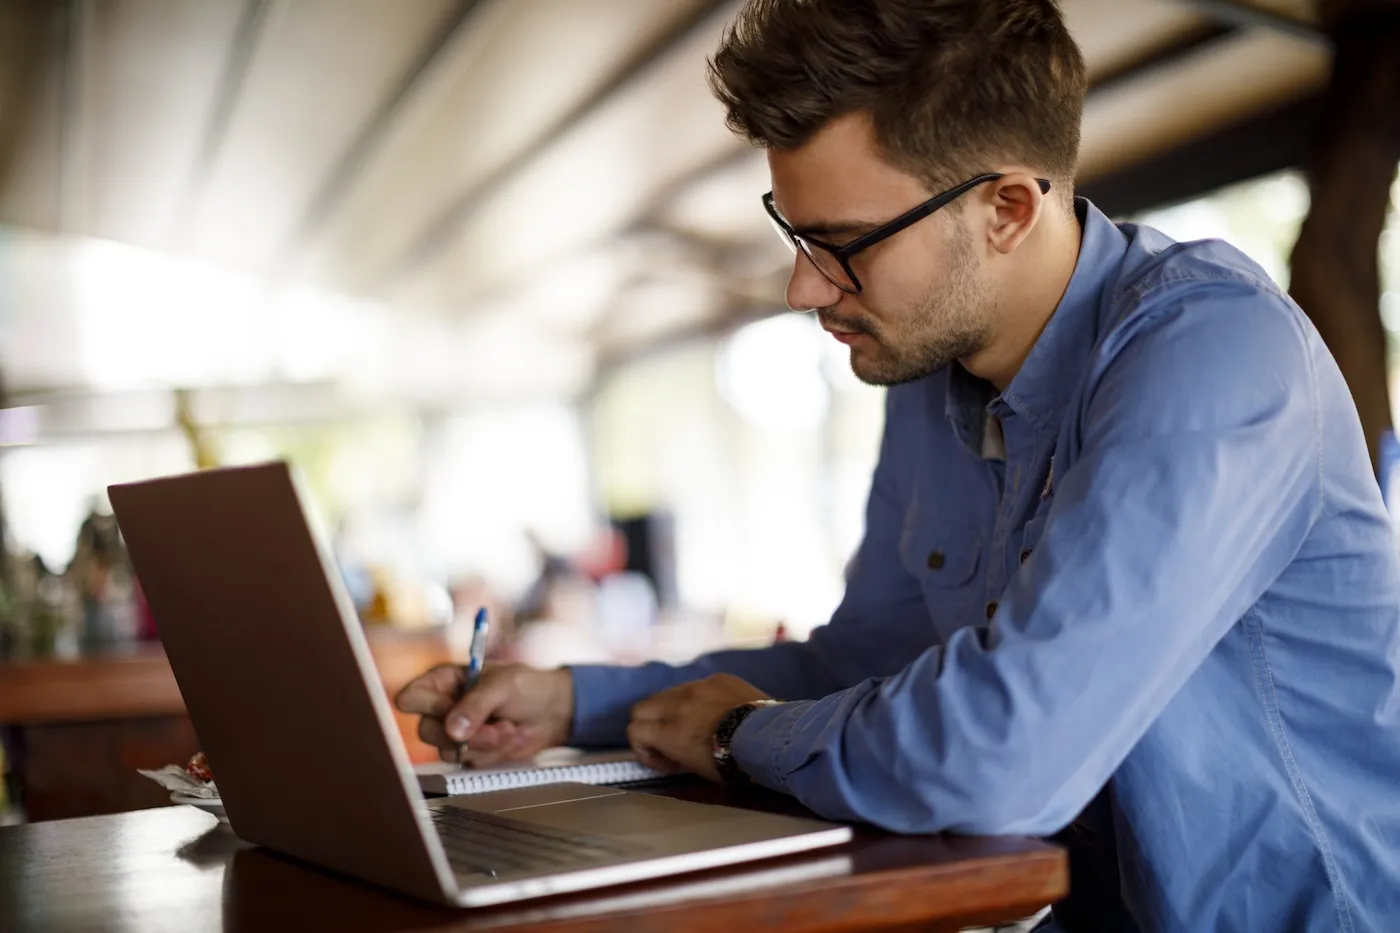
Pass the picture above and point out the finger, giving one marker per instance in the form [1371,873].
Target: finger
[520,746]
[506,732]
[431,693]
[433,732]
[468,758]
[492,736]
[646,753]
[476,758]
[643,737]
[451,755]
[517,748]
[656,761]
[526,742]
[476,707]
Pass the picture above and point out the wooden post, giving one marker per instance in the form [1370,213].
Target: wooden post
[1335,266]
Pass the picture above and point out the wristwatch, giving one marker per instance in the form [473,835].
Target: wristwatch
[728,768]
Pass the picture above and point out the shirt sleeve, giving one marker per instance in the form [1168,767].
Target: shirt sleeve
[1196,481]
[881,625]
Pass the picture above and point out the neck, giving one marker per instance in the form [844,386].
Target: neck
[1029,295]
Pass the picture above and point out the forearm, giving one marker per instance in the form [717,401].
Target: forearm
[604,694]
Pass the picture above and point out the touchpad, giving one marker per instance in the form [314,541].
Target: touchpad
[628,814]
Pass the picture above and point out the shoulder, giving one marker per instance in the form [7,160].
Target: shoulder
[1197,334]
[1205,307]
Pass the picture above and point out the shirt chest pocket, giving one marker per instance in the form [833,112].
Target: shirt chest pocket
[944,557]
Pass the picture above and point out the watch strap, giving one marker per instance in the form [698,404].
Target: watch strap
[725,764]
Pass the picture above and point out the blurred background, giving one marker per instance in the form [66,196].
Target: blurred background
[496,278]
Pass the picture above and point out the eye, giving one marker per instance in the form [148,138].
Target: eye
[846,239]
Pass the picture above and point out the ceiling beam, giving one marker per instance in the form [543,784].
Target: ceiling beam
[1261,144]
[648,220]
[226,94]
[377,130]
[1166,55]
[74,147]
[440,231]
[1247,15]
[32,40]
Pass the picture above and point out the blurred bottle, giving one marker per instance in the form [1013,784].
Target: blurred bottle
[46,617]
[99,590]
[9,608]
[26,573]
[119,604]
[377,610]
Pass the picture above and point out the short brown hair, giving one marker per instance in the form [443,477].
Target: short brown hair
[951,86]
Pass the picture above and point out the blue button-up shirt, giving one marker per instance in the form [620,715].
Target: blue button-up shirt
[1170,615]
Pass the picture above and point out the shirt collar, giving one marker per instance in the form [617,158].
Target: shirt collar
[1042,387]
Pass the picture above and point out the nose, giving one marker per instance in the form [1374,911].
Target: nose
[807,288]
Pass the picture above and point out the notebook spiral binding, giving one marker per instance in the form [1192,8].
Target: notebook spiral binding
[611,772]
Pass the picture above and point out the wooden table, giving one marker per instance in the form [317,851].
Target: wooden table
[176,869]
[82,727]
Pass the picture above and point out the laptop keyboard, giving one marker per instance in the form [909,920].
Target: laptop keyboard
[485,844]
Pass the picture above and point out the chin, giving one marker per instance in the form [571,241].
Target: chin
[883,372]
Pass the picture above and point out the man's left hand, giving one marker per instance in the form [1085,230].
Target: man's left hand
[674,730]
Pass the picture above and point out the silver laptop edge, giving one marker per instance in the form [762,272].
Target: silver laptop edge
[354,631]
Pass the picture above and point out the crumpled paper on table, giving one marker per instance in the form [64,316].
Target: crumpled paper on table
[176,779]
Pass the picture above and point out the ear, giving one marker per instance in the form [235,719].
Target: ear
[1018,201]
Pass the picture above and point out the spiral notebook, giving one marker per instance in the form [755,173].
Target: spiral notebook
[549,767]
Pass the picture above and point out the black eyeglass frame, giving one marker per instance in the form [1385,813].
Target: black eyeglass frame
[842,254]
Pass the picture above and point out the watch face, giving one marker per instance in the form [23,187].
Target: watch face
[718,749]
[724,732]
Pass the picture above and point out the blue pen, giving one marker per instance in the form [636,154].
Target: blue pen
[477,658]
[478,649]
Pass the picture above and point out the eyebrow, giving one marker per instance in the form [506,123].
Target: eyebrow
[835,228]
[826,229]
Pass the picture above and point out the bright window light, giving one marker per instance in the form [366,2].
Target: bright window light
[771,372]
[146,318]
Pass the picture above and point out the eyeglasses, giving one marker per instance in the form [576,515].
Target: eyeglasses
[834,261]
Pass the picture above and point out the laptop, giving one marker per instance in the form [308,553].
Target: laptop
[283,693]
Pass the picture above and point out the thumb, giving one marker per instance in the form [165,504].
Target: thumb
[432,692]
[476,707]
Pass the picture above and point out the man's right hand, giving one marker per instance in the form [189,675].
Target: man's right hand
[513,713]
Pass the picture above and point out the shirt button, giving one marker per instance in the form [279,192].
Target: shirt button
[935,560]
[991,608]
[1025,555]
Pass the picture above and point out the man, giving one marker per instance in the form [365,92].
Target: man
[1126,575]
